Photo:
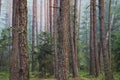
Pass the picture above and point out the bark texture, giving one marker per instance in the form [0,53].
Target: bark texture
[14,67]
[95,40]
[92,57]
[24,66]
[55,35]
[108,73]
[63,35]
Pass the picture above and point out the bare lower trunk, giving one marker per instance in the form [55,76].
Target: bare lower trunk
[14,67]
[55,35]
[92,56]
[95,40]
[63,35]
[24,65]
[108,72]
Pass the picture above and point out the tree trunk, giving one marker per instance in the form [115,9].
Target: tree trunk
[34,24]
[45,17]
[14,67]
[63,37]
[41,13]
[55,34]
[92,57]
[0,5]
[95,40]
[36,20]
[108,73]
[9,13]
[74,47]
[50,11]
[79,21]
[23,50]
[110,24]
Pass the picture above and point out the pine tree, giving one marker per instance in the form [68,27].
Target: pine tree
[23,50]
[107,68]
[92,57]
[14,67]
[63,39]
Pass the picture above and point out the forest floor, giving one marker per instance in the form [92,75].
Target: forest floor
[83,76]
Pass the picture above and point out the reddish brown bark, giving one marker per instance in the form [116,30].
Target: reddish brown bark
[50,11]
[92,57]
[108,72]
[74,41]
[95,40]
[14,67]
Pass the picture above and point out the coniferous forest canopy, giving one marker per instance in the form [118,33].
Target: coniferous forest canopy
[59,39]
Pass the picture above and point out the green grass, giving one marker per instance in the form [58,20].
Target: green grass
[83,76]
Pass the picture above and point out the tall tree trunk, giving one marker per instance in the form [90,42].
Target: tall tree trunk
[9,13]
[0,5]
[34,25]
[9,20]
[63,35]
[55,34]
[74,47]
[92,57]
[14,67]
[23,50]
[41,13]
[79,21]
[110,24]
[45,17]
[108,73]
[36,21]
[50,11]
[47,4]
[95,40]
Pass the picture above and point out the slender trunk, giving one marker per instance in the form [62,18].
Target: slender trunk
[55,34]
[0,5]
[24,65]
[14,67]
[108,72]
[92,57]
[74,47]
[50,11]
[110,24]
[36,21]
[95,39]
[34,25]
[41,13]
[9,13]
[79,19]
[45,17]
[63,35]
